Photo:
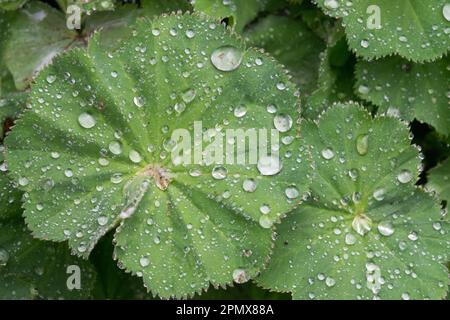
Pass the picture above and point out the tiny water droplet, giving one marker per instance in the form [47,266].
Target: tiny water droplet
[249,185]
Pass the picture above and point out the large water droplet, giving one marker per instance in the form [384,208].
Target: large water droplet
[135,156]
[269,165]
[249,185]
[386,228]
[327,153]
[446,11]
[362,144]
[134,191]
[292,192]
[265,222]
[219,172]
[379,194]
[331,4]
[144,261]
[404,176]
[240,111]
[350,239]
[188,96]
[240,276]
[115,147]
[282,122]
[226,58]
[362,224]
[138,101]
[51,78]
[86,120]
[102,220]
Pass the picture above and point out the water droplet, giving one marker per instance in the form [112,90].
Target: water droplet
[55,155]
[413,236]
[446,11]
[114,74]
[4,257]
[379,194]
[138,101]
[240,111]
[226,58]
[264,209]
[269,165]
[68,173]
[219,172]
[144,261]
[188,96]
[23,181]
[362,224]
[330,282]
[115,147]
[156,32]
[363,89]
[240,276]
[281,86]
[271,108]
[386,228]
[405,296]
[362,144]
[249,185]
[282,122]
[102,220]
[51,78]
[331,4]
[179,107]
[86,120]
[292,192]
[327,154]
[437,226]
[116,178]
[364,43]
[265,222]
[350,239]
[134,190]
[135,156]
[404,176]
[190,33]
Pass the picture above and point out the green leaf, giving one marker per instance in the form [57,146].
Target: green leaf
[37,33]
[102,127]
[407,89]
[417,30]
[11,4]
[291,43]
[438,180]
[240,13]
[91,6]
[151,8]
[365,175]
[335,81]
[31,268]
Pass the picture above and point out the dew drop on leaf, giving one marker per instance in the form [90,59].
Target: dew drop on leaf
[292,192]
[135,156]
[115,147]
[4,257]
[144,261]
[282,122]
[249,185]
[265,222]
[362,144]
[379,194]
[404,176]
[188,96]
[219,172]
[269,165]
[327,154]
[240,111]
[446,11]
[51,78]
[385,228]
[362,224]
[138,101]
[331,4]
[86,120]
[226,58]
[240,276]
[350,239]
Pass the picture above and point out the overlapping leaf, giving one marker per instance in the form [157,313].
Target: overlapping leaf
[416,30]
[367,231]
[407,89]
[439,180]
[31,269]
[291,43]
[94,152]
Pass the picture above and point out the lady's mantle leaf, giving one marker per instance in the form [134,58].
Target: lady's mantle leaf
[408,90]
[11,4]
[31,268]
[439,180]
[95,149]
[291,43]
[367,231]
[417,30]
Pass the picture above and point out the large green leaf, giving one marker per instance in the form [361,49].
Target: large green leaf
[95,152]
[367,231]
[408,90]
[415,29]
[439,180]
[291,43]
[11,4]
